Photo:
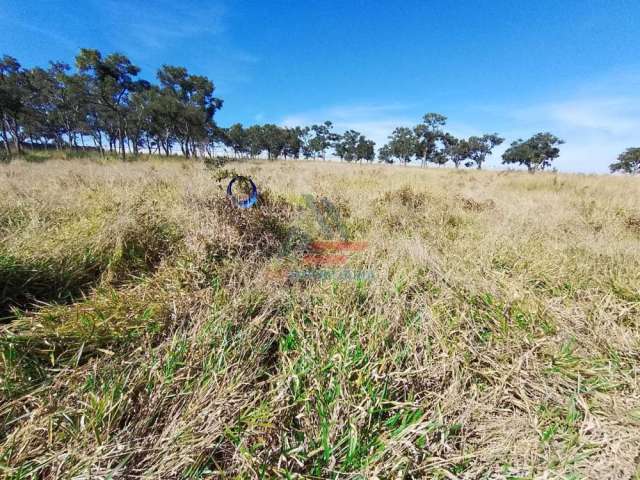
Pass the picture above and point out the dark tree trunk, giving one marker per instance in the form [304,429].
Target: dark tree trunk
[121,135]
[97,141]
[5,138]
[16,142]
[15,133]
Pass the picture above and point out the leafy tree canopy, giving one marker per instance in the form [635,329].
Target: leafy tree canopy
[536,153]
[402,144]
[628,162]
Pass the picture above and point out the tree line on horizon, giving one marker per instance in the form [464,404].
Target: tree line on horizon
[104,100]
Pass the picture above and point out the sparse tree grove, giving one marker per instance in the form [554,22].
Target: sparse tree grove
[102,104]
[430,143]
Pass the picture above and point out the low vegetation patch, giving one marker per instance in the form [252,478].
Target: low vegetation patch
[475,205]
[633,223]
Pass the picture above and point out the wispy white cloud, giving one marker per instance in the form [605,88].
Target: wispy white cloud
[611,116]
[595,129]
[598,119]
[614,116]
[11,22]
[143,25]
[159,32]
[52,35]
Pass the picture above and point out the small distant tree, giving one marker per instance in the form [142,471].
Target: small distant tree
[293,142]
[236,138]
[274,140]
[365,149]
[431,139]
[479,147]
[253,141]
[536,153]
[353,146]
[402,144]
[457,150]
[628,162]
[305,139]
[323,138]
[384,154]
[347,144]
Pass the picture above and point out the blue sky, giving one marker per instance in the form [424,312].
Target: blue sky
[570,67]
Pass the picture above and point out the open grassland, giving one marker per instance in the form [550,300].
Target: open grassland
[148,331]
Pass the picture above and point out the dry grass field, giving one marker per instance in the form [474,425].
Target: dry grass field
[145,333]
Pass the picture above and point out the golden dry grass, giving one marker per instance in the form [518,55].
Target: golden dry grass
[497,336]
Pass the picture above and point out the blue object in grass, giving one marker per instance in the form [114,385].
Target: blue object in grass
[249,202]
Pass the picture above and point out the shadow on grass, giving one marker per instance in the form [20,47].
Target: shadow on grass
[29,282]
[24,284]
